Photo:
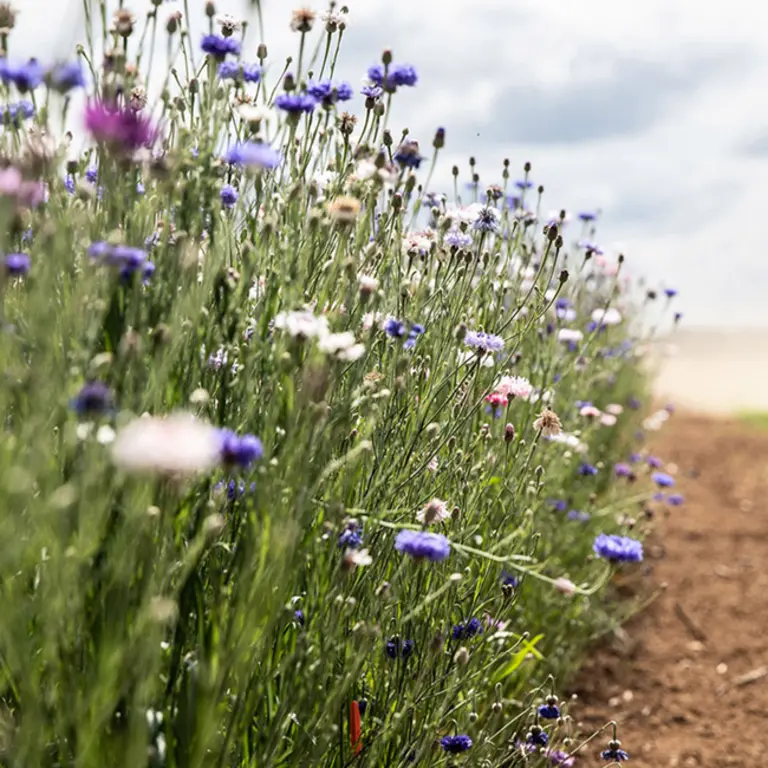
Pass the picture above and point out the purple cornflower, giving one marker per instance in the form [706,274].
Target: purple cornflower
[218,46]
[26,76]
[537,737]
[509,580]
[228,196]
[675,499]
[408,155]
[580,517]
[125,257]
[254,155]
[21,110]
[92,174]
[559,504]
[549,710]
[622,470]
[487,219]
[654,461]
[118,127]
[400,74]
[663,480]
[487,342]
[618,548]
[423,545]
[65,77]
[416,331]
[457,239]
[298,617]
[396,647]
[95,397]
[560,759]
[235,70]
[455,745]
[240,450]
[462,631]
[328,93]
[17,264]
[587,470]
[295,103]
[372,91]
[128,271]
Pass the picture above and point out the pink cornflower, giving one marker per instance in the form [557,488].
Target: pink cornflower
[120,128]
[434,512]
[514,386]
[590,412]
[496,399]
[26,194]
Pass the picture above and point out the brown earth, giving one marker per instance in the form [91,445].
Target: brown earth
[687,679]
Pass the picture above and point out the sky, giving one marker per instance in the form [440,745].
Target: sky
[654,112]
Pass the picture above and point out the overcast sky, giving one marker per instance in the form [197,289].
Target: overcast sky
[654,112]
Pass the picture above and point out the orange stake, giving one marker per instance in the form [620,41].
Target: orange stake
[354,727]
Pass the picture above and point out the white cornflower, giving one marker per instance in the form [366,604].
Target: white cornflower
[336,342]
[357,557]
[177,444]
[303,324]
[255,115]
[228,24]
[614,409]
[608,419]
[486,361]
[608,316]
[569,334]
[590,412]
[350,354]
[434,512]
[368,284]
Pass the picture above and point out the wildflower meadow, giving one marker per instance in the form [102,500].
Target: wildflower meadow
[306,461]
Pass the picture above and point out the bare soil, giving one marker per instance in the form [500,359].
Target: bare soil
[687,679]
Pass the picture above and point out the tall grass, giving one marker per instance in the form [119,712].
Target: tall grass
[243,615]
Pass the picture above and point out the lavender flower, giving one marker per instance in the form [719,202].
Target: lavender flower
[486,342]
[422,545]
[618,548]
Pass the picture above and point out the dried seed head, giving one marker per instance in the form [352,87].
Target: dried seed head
[138,99]
[548,423]
[344,209]
[122,22]
[7,18]
[302,20]
[228,24]
[346,123]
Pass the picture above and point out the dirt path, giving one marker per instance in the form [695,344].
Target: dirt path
[688,684]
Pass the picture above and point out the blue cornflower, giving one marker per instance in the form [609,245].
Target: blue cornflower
[372,91]
[587,470]
[558,504]
[654,461]
[21,110]
[400,74]
[580,517]
[229,196]
[423,545]
[618,548]
[298,617]
[140,188]
[670,293]
[675,499]
[219,46]
[549,711]
[92,174]
[95,397]
[416,331]
[457,239]
[295,103]
[254,155]
[537,737]
[65,77]
[16,264]
[408,155]
[395,328]
[129,270]
[587,216]
[523,184]
[25,76]
[662,479]
[455,745]
[509,580]
[351,537]
[237,70]
[328,93]
[470,629]
[614,754]
[622,470]
[396,647]
[484,341]
[240,450]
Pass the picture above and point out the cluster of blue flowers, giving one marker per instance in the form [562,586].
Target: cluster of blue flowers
[618,548]
[239,450]
[128,259]
[397,329]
